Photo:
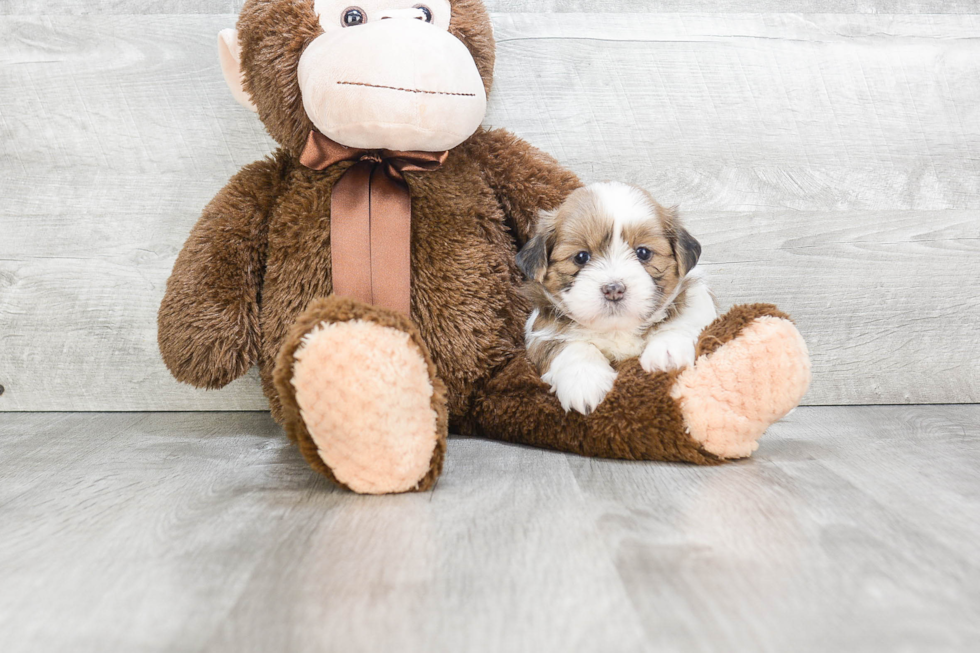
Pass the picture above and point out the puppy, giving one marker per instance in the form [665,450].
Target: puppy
[611,276]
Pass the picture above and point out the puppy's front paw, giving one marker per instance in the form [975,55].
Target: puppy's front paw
[584,391]
[668,351]
[580,378]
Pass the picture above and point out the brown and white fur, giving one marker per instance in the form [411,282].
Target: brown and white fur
[611,275]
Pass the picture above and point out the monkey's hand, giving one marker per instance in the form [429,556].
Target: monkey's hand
[208,324]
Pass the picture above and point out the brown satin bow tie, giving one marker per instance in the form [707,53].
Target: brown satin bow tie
[371,219]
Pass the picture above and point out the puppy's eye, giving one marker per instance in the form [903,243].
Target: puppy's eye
[582,258]
[425,12]
[643,254]
[353,16]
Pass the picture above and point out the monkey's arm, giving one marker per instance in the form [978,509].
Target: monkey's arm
[525,179]
[208,326]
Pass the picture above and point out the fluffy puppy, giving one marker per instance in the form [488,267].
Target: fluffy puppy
[611,275]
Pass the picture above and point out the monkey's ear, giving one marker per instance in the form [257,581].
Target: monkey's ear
[230,55]
[533,258]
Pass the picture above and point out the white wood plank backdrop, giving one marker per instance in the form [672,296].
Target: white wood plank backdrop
[827,159]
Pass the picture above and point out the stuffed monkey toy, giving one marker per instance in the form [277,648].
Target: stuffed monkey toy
[368,266]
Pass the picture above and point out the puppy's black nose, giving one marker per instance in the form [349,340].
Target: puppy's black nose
[614,291]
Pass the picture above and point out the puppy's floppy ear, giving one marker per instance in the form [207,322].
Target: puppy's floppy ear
[533,257]
[687,249]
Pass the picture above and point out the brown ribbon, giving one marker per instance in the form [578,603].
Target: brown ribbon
[371,219]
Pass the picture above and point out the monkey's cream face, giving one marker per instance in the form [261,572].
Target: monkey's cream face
[388,74]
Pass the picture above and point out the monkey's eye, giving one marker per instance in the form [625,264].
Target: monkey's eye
[353,16]
[426,12]
[582,258]
[643,254]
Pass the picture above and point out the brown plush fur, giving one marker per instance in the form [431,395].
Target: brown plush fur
[466,288]
[254,273]
[727,327]
[636,421]
[208,326]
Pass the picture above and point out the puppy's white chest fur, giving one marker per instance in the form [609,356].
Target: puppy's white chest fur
[615,345]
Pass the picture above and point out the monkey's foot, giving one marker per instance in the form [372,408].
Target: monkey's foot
[752,369]
[362,398]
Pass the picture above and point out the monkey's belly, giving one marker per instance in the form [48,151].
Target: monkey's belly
[470,315]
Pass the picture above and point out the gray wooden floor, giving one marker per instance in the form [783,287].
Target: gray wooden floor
[854,529]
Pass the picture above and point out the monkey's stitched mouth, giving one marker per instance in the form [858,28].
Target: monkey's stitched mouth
[406,90]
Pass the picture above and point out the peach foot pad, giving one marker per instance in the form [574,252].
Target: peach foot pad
[365,395]
[731,396]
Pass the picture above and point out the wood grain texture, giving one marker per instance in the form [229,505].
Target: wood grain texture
[83,7]
[109,7]
[827,162]
[854,529]
[119,136]
[738,6]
